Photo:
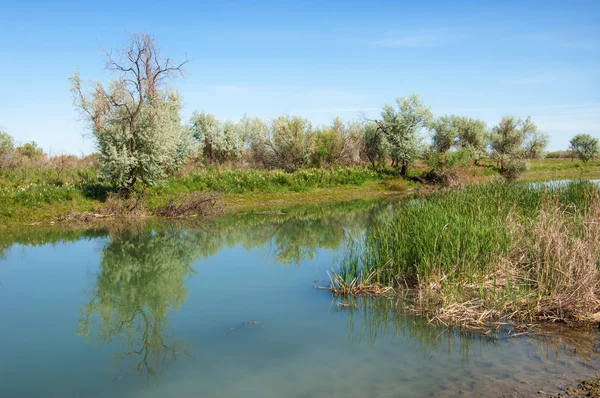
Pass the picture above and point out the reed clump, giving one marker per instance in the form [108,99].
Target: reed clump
[510,251]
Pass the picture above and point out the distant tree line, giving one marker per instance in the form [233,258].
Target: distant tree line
[140,135]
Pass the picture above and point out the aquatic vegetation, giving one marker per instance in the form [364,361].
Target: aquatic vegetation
[487,251]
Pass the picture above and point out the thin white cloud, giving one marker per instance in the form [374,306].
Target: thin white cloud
[592,108]
[316,94]
[534,79]
[225,88]
[584,40]
[593,105]
[582,44]
[418,39]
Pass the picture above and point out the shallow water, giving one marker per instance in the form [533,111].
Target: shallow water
[229,309]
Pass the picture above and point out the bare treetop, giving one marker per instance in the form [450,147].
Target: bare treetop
[141,65]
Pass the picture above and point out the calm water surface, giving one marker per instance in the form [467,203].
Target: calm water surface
[230,310]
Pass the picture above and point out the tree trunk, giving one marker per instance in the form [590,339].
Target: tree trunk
[403,170]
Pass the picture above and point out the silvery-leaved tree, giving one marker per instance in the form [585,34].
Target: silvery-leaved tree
[228,140]
[402,128]
[7,148]
[585,146]
[473,136]
[136,119]
[536,142]
[288,145]
[515,138]
[445,134]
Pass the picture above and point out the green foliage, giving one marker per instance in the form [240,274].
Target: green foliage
[458,236]
[507,139]
[445,132]
[568,154]
[375,145]
[401,129]
[449,160]
[473,136]
[227,141]
[7,147]
[136,121]
[468,135]
[328,147]
[30,150]
[243,181]
[535,143]
[585,146]
[290,145]
[161,144]
[513,168]
[515,138]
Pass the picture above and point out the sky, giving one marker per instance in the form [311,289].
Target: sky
[319,60]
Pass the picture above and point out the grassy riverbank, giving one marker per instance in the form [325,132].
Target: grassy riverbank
[42,194]
[486,252]
[30,197]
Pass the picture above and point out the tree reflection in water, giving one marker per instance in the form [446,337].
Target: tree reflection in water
[141,279]
[143,271]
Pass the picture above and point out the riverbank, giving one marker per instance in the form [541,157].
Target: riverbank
[42,196]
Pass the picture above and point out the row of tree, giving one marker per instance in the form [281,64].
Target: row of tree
[140,135]
[11,153]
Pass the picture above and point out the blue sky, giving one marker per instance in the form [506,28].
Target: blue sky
[484,59]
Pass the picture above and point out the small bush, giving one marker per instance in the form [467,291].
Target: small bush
[513,169]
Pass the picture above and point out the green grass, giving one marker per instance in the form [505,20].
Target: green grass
[454,243]
[43,193]
[244,181]
[27,196]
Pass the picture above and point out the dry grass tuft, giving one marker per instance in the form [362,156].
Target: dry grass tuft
[560,260]
[355,287]
[470,314]
[551,274]
[120,205]
[197,203]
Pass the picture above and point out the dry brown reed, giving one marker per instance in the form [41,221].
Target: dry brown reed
[196,203]
[355,287]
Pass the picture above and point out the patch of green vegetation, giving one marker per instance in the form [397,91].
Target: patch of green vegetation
[42,194]
[243,181]
[506,247]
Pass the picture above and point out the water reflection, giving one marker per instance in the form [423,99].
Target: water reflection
[372,318]
[143,272]
[146,273]
[294,235]
[141,280]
